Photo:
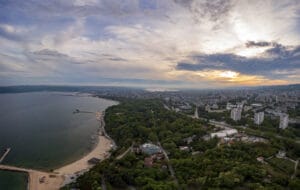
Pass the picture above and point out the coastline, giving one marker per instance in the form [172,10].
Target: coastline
[68,173]
[71,171]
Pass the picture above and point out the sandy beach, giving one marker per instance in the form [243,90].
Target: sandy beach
[100,151]
[67,173]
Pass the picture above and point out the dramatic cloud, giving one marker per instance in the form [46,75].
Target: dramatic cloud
[258,44]
[276,59]
[188,43]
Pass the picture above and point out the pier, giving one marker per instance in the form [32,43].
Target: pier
[4,155]
[80,111]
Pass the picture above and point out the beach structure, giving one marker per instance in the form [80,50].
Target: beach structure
[94,161]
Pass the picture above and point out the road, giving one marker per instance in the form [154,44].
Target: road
[124,153]
[169,164]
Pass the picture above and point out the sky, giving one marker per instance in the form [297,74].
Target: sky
[156,43]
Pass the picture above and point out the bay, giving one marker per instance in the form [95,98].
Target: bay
[42,130]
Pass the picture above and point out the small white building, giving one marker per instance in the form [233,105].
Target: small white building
[281,154]
[284,121]
[224,133]
[215,106]
[240,105]
[256,105]
[229,106]
[184,148]
[259,118]
[247,108]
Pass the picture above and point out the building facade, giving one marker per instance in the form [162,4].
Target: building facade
[284,121]
[236,114]
[259,118]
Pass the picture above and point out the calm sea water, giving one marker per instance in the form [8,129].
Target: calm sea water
[13,180]
[42,131]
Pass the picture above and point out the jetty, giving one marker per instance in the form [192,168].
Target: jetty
[4,155]
[80,111]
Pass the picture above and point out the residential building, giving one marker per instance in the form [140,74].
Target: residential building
[236,114]
[259,118]
[284,121]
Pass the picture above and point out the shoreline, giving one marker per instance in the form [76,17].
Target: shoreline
[70,172]
[43,180]
[100,151]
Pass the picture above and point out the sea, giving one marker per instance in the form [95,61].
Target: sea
[44,131]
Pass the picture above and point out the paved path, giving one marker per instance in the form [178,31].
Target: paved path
[103,184]
[124,153]
[169,164]
[295,169]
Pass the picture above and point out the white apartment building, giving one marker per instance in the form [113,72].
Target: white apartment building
[236,114]
[259,118]
[284,121]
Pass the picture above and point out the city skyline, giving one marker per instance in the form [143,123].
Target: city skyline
[172,43]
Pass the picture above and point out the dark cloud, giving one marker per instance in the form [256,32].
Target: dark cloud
[275,50]
[281,51]
[51,56]
[258,44]
[112,57]
[280,58]
[213,9]
[50,53]
[117,59]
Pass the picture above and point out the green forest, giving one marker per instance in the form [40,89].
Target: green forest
[206,164]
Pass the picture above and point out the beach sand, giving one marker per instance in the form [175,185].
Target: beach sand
[62,176]
[69,172]
[52,182]
[100,152]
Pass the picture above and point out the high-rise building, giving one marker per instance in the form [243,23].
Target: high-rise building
[284,121]
[259,118]
[236,114]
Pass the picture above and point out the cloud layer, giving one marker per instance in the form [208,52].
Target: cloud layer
[187,43]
